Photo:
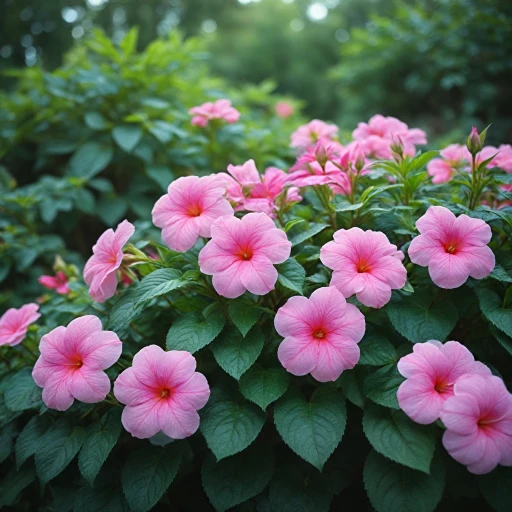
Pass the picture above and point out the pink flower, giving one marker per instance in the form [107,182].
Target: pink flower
[162,392]
[454,157]
[220,109]
[312,132]
[503,159]
[59,283]
[284,109]
[478,419]
[242,253]
[72,361]
[320,334]
[431,371]
[452,248]
[100,269]
[189,209]
[364,263]
[14,323]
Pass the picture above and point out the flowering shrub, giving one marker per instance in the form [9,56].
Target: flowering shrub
[283,341]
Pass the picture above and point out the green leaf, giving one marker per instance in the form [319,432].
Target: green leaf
[376,351]
[504,340]
[264,385]
[352,387]
[99,499]
[90,159]
[398,438]
[123,312]
[312,429]
[129,42]
[230,426]
[313,230]
[236,354]
[500,274]
[238,478]
[291,491]
[23,393]
[243,315]
[111,209]
[57,449]
[419,318]
[7,432]
[127,136]
[395,488]
[291,275]
[292,223]
[421,160]
[497,488]
[101,438]
[344,207]
[381,386]
[95,121]
[161,175]
[491,307]
[28,440]
[160,282]
[147,474]
[192,333]
[14,482]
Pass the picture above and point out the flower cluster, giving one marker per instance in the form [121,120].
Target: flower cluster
[220,109]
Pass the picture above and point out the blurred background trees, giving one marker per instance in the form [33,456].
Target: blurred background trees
[439,64]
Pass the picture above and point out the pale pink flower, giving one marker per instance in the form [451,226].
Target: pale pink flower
[242,253]
[431,371]
[320,334]
[284,109]
[478,421]
[453,158]
[453,248]
[364,263]
[14,323]
[319,153]
[220,109]
[162,392]
[72,361]
[100,269]
[59,282]
[189,209]
[503,159]
[315,174]
[312,132]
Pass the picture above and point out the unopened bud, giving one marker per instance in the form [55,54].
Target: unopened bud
[397,146]
[359,161]
[474,143]
[321,154]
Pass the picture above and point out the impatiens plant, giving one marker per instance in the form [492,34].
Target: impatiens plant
[278,341]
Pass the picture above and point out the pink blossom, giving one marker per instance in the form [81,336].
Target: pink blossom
[72,361]
[453,158]
[319,153]
[14,323]
[312,132]
[162,392]
[431,371]
[220,109]
[320,334]
[364,263]
[453,248]
[478,421]
[503,159]
[284,109]
[242,253]
[59,282]
[189,209]
[100,269]
[315,174]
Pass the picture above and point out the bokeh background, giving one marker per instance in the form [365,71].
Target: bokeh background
[443,65]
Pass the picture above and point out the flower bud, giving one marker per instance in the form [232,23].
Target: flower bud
[321,154]
[397,146]
[474,143]
[359,161]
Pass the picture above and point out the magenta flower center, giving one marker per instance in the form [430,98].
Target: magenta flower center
[363,267]
[165,393]
[450,247]
[194,210]
[443,387]
[245,253]
[319,334]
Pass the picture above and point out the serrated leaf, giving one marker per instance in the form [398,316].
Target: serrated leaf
[127,136]
[313,230]
[497,488]
[230,426]
[392,487]
[500,274]
[236,354]
[23,392]
[491,307]
[291,275]
[352,386]
[238,478]
[381,386]
[57,449]
[243,315]
[376,351]
[160,282]
[147,474]
[14,483]
[398,438]
[28,440]
[264,385]
[90,159]
[101,438]
[192,333]
[311,428]
[419,318]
